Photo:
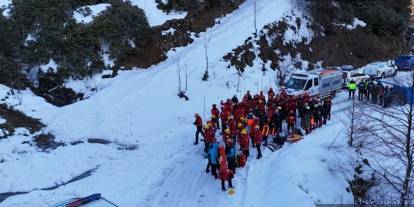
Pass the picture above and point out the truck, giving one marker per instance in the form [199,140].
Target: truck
[350,73]
[320,83]
[404,62]
[380,69]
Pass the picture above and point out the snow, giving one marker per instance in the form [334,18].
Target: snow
[297,34]
[30,38]
[97,9]
[89,86]
[355,24]
[2,121]
[5,4]
[51,66]
[108,61]
[170,31]
[141,108]
[156,16]
[131,43]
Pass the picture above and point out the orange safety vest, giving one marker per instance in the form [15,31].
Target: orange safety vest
[250,122]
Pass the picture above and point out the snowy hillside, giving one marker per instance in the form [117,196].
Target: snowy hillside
[151,160]
[156,16]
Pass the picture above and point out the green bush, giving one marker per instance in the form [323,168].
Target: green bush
[75,47]
[119,25]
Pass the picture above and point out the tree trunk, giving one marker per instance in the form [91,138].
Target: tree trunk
[406,191]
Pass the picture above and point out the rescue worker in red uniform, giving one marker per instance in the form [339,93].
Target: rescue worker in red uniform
[291,122]
[258,141]
[199,127]
[244,142]
[215,113]
[224,172]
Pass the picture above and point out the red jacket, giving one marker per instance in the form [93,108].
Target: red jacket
[244,142]
[258,136]
[198,122]
[210,135]
[223,116]
[232,126]
[224,172]
[215,112]
[291,119]
[261,106]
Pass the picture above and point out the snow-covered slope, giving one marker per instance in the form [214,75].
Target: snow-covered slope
[156,16]
[140,108]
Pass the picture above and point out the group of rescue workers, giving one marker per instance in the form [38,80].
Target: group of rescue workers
[258,118]
[369,90]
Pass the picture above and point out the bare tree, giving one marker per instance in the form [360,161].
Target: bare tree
[205,45]
[283,72]
[182,90]
[255,17]
[387,142]
[353,122]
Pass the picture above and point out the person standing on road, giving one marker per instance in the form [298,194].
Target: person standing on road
[369,89]
[351,88]
[361,90]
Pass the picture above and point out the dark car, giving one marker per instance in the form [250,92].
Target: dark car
[405,62]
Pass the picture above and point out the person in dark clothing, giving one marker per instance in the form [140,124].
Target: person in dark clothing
[231,157]
[374,94]
[387,97]
[327,105]
[370,87]
[380,94]
[215,114]
[199,127]
[213,159]
[361,90]
[277,120]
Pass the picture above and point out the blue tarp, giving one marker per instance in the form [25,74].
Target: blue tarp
[402,87]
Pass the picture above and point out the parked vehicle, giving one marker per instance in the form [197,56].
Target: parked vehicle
[380,69]
[321,83]
[95,200]
[405,62]
[350,73]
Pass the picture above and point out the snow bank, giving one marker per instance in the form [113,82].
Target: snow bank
[355,24]
[51,66]
[5,4]
[156,16]
[82,16]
